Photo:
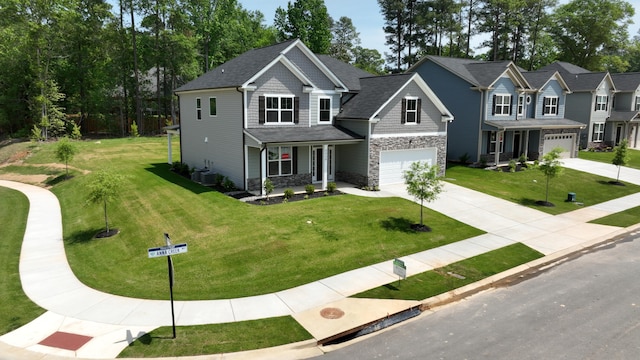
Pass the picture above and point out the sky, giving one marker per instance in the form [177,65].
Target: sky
[368,20]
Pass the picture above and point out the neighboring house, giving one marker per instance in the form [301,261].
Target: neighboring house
[625,116]
[589,102]
[502,112]
[284,113]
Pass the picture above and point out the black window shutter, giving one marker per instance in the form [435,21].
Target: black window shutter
[511,105]
[596,104]
[404,110]
[296,109]
[493,106]
[418,110]
[294,160]
[261,109]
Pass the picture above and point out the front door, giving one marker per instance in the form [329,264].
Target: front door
[618,134]
[318,164]
[516,145]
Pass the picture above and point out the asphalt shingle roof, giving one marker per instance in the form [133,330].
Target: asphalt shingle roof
[537,79]
[535,124]
[374,92]
[565,67]
[624,116]
[626,81]
[289,134]
[476,72]
[577,78]
[348,74]
[238,70]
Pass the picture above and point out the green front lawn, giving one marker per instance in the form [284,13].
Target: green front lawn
[217,338]
[607,157]
[439,281]
[622,219]
[235,249]
[527,187]
[16,309]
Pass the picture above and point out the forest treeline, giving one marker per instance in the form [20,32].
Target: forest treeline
[105,65]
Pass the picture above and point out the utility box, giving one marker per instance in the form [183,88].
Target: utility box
[571,197]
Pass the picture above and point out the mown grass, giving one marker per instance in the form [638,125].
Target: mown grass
[527,187]
[453,276]
[607,157]
[624,218]
[217,339]
[17,309]
[235,249]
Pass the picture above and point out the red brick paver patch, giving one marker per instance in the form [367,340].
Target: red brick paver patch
[67,341]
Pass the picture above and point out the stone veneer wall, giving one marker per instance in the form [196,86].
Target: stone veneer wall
[351,178]
[255,184]
[404,143]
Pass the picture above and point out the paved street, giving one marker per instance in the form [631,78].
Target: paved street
[588,308]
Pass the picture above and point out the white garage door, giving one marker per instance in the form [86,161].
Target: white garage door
[393,163]
[565,141]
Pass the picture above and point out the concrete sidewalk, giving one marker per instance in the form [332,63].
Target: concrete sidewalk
[113,321]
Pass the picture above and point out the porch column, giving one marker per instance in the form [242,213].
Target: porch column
[499,137]
[526,144]
[263,169]
[169,154]
[325,165]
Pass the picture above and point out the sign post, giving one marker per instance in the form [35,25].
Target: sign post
[167,251]
[400,269]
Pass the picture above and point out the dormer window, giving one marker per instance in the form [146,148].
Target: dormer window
[550,105]
[601,102]
[501,104]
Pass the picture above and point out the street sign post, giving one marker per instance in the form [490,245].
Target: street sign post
[167,251]
[400,269]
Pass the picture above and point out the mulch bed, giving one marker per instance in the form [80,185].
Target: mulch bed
[297,197]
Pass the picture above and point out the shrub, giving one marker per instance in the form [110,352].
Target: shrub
[219,179]
[180,168]
[464,158]
[306,196]
[288,193]
[309,189]
[522,160]
[134,130]
[483,162]
[331,187]
[512,165]
[268,187]
[228,185]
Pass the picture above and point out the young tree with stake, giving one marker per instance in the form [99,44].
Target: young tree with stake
[424,184]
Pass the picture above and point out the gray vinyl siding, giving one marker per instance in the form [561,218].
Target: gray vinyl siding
[354,157]
[253,163]
[465,105]
[304,160]
[278,80]
[579,107]
[390,117]
[625,101]
[312,72]
[216,142]
[314,106]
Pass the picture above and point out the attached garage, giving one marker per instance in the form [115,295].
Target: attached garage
[393,163]
[564,141]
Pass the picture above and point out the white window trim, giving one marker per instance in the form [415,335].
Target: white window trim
[601,102]
[280,111]
[521,105]
[320,98]
[637,107]
[497,141]
[198,108]
[280,160]
[216,100]
[598,136]
[552,106]
[407,111]
[503,106]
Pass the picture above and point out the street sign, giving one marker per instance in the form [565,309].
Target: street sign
[167,250]
[399,268]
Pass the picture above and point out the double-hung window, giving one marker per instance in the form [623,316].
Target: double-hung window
[280,160]
[550,105]
[411,115]
[324,111]
[501,104]
[496,142]
[198,108]
[637,107]
[520,105]
[601,102]
[279,109]
[213,109]
[598,132]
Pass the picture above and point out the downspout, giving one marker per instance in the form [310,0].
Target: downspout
[244,154]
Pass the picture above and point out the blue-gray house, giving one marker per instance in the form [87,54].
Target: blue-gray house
[502,111]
